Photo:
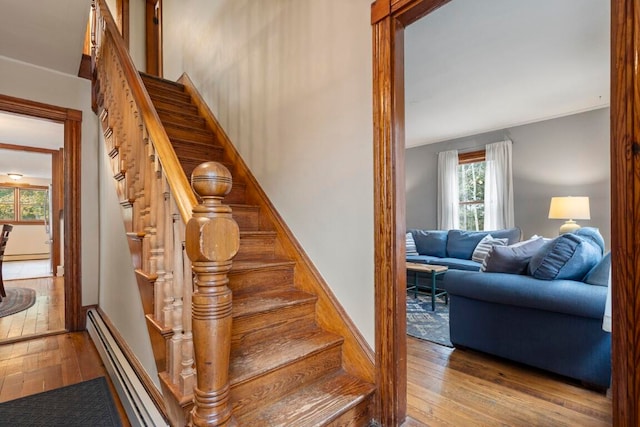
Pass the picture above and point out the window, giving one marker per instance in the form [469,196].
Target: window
[23,204]
[471,172]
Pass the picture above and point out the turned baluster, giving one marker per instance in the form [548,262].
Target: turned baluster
[212,239]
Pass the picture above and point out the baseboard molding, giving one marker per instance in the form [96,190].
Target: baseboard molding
[138,403]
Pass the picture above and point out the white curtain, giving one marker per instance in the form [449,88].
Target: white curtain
[448,199]
[498,187]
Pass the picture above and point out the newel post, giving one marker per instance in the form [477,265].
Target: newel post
[212,240]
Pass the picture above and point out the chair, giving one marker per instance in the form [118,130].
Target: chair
[4,237]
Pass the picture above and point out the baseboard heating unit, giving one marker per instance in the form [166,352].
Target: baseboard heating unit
[136,401]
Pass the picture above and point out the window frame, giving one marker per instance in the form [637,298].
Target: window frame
[16,203]
[469,157]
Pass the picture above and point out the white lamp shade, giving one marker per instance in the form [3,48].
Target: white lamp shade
[569,208]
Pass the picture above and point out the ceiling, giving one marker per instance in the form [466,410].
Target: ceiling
[478,66]
[48,34]
[470,66]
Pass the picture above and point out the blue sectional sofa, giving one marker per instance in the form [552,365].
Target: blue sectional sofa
[454,248]
[550,317]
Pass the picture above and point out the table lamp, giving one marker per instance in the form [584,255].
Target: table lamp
[569,208]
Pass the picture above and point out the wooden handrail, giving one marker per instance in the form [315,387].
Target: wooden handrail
[181,190]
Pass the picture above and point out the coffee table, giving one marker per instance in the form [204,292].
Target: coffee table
[434,271]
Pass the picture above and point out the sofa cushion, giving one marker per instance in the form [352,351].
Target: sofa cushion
[561,296]
[431,242]
[513,234]
[461,243]
[410,245]
[599,275]
[454,263]
[512,259]
[485,245]
[593,234]
[568,256]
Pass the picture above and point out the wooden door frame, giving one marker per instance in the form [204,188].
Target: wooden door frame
[72,122]
[57,192]
[389,18]
[153,37]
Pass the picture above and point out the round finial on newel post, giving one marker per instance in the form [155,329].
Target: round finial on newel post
[211,181]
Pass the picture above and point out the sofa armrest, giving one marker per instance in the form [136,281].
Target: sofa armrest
[561,296]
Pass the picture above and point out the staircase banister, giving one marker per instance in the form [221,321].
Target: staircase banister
[184,197]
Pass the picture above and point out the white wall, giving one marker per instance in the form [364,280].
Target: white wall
[26,81]
[567,156]
[290,82]
[119,295]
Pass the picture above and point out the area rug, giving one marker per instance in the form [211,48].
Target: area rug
[17,299]
[88,403]
[426,324]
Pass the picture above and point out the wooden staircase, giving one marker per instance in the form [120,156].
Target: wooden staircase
[284,368]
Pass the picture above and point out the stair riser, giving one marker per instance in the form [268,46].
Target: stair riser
[358,416]
[252,247]
[179,116]
[190,135]
[272,386]
[247,219]
[201,152]
[259,279]
[176,121]
[237,195]
[156,86]
[171,107]
[262,325]
[169,96]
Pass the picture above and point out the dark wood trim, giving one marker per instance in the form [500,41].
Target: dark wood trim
[153,37]
[625,199]
[625,211]
[72,121]
[25,148]
[472,157]
[84,71]
[122,19]
[57,200]
[75,320]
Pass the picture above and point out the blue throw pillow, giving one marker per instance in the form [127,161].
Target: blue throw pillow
[568,256]
[513,234]
[461,243]
[431,242]
[513,259]
[410,245]
[599,275]
[593,234]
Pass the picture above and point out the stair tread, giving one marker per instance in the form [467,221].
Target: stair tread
[262,357]
[316,404]
[159,80]
[250,303]
[258,233]
[262,263]
[178,140]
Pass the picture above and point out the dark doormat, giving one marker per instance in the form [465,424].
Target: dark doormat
[426,324]
[17,299]
[88,403]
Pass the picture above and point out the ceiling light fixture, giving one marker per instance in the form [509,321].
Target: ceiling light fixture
[14,176]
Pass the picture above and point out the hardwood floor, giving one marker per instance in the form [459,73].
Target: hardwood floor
[46,316]
[452,387]
[12,270]
[42,364]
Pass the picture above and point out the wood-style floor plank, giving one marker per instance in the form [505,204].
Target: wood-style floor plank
[453,387]
[45,316]
[51,362]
